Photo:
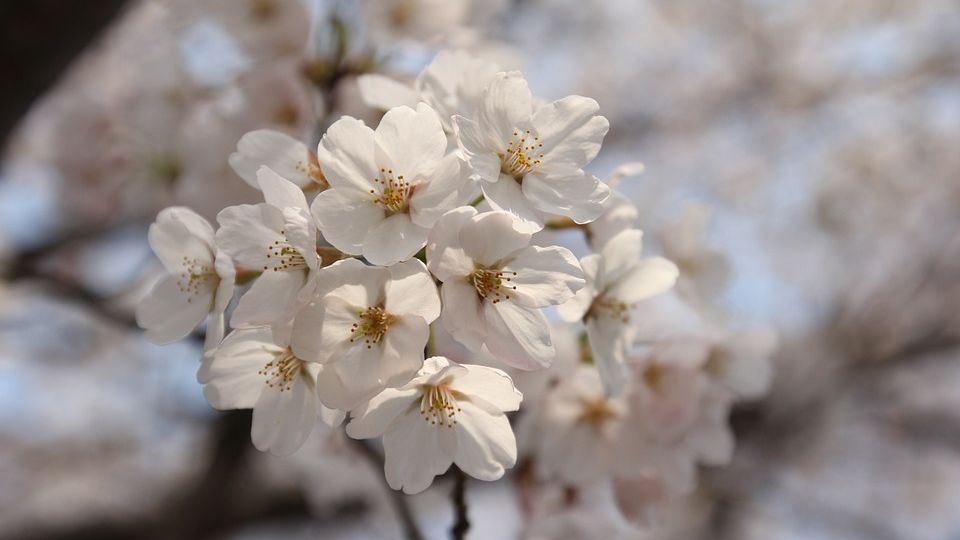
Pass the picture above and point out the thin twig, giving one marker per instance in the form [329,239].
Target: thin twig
[461,523]
[398,499]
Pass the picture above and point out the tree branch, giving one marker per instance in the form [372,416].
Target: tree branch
[461,522]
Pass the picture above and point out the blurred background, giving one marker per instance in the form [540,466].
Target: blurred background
[823,136]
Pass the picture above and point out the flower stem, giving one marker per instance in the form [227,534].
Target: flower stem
[461,523]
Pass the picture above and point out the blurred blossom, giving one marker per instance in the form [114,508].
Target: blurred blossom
[799,183]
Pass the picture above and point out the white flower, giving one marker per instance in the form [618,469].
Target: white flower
[387,187]
[369,325]
[199,279]
[529,159]
[285,155]
[392,21]
[452,84]
[449,413]
[617,278]
[685,241]
[741,362]
[495,285]
[250,371]
[279,238]
[580,429]
[678,419]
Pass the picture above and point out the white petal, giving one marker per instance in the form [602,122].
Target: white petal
[227,273]
[411,290]
[180,232]
[247,233]
[448,188]
[505,106]
[632,168]
[546,276]
[486,446]
[619,214]
[282,420]
[518,336]
[394,239]
[494,387]
[278,191]
[346,155]
[362,286]
[576,194]
[413,454]
[321,330]
[619,256]
[287,156]
[445,256]
[269,300]
[344,218]
[230,375]
[462,315]
[216,326]
[384,93]
[574,309]
[453,83]
[378,415]
[352,377]
[479,155]
[301,232]
[506,195]
[570,131]
[168,314]
[647,278]
[607,343]
[491,237]
[403,350]
[410,142]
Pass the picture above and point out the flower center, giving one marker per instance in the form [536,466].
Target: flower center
[610,307]
[281,256]
[488,282]
[282,371]
[394,192]
[596,413]
[371,326]
[718,363]
[521,155]
[438,406]
[196,277]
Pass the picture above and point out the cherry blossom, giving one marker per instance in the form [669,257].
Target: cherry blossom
[529,158]
[280,152]
[499,285]
[448,414]
[617,278]
[452,84]
[198,281]
[368,325]
[277,237]
[387,187]
[251,371]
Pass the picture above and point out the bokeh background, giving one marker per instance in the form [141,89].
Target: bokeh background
[823,137]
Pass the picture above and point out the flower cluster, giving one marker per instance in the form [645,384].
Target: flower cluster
[432,233]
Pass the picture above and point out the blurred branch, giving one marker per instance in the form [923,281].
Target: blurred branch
[226,497]
[461,522]
[28,265]
[39,40]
